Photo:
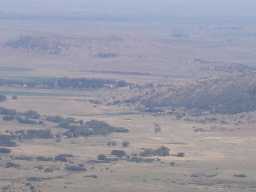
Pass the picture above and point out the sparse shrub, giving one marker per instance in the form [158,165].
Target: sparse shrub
[7,140]
[26,120]
[4,111]
[65,125]
[181,154]
[8,118]
[102,157]
[157,128]
[107,55]
[240,175]
[34,134]
[112,143]
[5,150]
[125,143]
[118,153]
[14,97]
[91,176]
[161,151]
[12,165]
[137,159]
[49,170]
[92,127]
[63,157]
[147,152]
[55,119]
[23,158]
[34,179]
[31,114]
[76,168]
[42,158]
[3,98]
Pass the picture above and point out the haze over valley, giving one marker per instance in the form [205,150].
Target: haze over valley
[127,96]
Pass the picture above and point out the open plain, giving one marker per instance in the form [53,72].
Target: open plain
[96,106]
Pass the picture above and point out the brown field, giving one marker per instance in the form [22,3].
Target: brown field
[218,154]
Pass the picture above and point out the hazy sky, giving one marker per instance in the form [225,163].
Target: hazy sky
[133,7]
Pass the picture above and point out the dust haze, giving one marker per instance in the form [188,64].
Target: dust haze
[127,95]
[132,8]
